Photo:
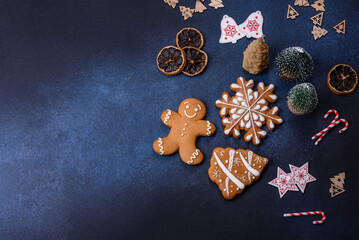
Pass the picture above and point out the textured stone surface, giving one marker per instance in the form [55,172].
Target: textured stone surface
[80,105]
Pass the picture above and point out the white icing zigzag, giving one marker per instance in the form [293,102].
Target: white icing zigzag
[160,145]
[209,128]
[167,117]
[194,156]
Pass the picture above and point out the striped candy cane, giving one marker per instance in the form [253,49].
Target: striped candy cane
[306,214]
[320,135]
[325,117]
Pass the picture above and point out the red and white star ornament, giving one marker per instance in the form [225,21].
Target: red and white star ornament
[231,32]
[301,176]
[281,182]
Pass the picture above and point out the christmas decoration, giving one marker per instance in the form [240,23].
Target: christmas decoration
[256,56]
[199,6]
[196,61]
[337,186]
[302,99]
[342,79]
[340,27]
[306,214]
[300,176]
[317,19]
[248,110]
[281,182]
[233,170]
[339,180]
[294,64]
[186,12]
[319,5]
[216,4]
[189,37]
[291,13]
[171,60]
[231,32]
[318,32]
[320,135]
[301,3]
[171,3]
[288,181]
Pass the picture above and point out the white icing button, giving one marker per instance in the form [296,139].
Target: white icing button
[187,106]
[196,109]
[185,124]
[220,180]
[226,161]
[182,134]
[245,172]
[260,166]
[237,189]
[235,171]
[254,165]
[215,163]
[184,129]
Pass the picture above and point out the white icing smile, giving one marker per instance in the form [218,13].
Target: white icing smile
[196,110]
[189,115]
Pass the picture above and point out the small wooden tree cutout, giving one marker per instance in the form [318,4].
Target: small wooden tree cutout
[291,13]
[337,186]
[318,32]
[171,3]
[317,19]
[301,3]
[199,6]
[216,4]
[319,5]
[339,180]
[340,27]
[335,190]
[186,12]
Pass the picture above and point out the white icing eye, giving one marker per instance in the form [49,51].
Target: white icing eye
[196,109]
[187,106]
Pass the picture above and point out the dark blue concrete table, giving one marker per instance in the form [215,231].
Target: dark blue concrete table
[81,99]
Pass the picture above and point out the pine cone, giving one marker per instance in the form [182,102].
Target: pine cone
[256,56]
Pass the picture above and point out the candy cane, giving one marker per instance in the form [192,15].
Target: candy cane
[306,214]
[320,135]
[333,124]
[325,117]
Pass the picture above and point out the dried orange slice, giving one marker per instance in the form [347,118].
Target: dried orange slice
[171,60]
[189,37]
[342,79]
[196,61]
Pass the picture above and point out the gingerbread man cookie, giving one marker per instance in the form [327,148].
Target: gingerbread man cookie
[186,126]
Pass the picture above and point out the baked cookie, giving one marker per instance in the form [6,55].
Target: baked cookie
[248,110]
[186,126]
[233,170]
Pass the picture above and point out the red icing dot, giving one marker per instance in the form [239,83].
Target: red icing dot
[256,17]
[225,38]
[244,27]
[239,34]
[256,33]
[227,22]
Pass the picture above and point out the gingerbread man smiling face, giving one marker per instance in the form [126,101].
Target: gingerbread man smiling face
[186,126]
[192,108]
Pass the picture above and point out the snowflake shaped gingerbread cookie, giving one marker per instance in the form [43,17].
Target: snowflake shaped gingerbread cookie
[248,110]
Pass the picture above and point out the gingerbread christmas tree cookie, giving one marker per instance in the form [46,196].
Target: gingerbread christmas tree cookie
[232,170]
[248,110]
[186,125]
